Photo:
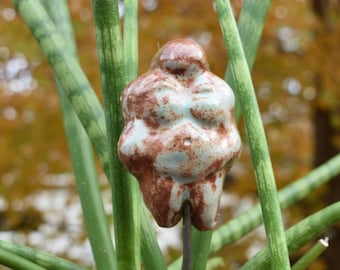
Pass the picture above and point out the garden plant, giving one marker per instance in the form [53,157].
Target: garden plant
[89,125]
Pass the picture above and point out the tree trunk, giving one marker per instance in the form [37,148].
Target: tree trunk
[325,134]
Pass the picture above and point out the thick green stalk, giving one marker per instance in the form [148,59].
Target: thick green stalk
[130,47]
[258,145]
[250,25]
[69,73]
[200,248]
[151,253]
[14,261]
[299,235]
[311,255]
[82,157]
[131,39]
[299,189]
[113,79]
[306,184]
[41,258]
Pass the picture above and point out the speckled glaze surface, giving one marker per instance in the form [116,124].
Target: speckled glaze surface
[180,137]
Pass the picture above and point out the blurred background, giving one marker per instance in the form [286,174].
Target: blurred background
[296,77]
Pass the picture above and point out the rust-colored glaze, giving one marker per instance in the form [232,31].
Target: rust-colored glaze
[180,137]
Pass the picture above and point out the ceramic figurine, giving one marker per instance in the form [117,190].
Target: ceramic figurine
[180,137]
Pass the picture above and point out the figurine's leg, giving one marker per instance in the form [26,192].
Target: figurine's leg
[205,200]
[164,198]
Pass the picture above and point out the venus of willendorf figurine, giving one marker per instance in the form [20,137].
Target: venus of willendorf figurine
[180,137]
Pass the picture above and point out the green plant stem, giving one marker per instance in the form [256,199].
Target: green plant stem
[311,255]
[151,253]
[69,74]
[14,261]
[299,235]
[82,157]
[113,79]
[250,25]
[41,258]
[130,46]
[299,189]
[131,39]
[200,248]
[258,145]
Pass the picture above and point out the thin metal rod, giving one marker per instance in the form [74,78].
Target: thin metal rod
[186,236]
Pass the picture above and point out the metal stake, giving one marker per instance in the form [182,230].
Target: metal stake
[186,236]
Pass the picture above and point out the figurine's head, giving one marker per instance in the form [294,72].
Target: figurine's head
[180,136]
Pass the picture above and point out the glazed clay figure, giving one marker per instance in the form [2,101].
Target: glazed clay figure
[180,136]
